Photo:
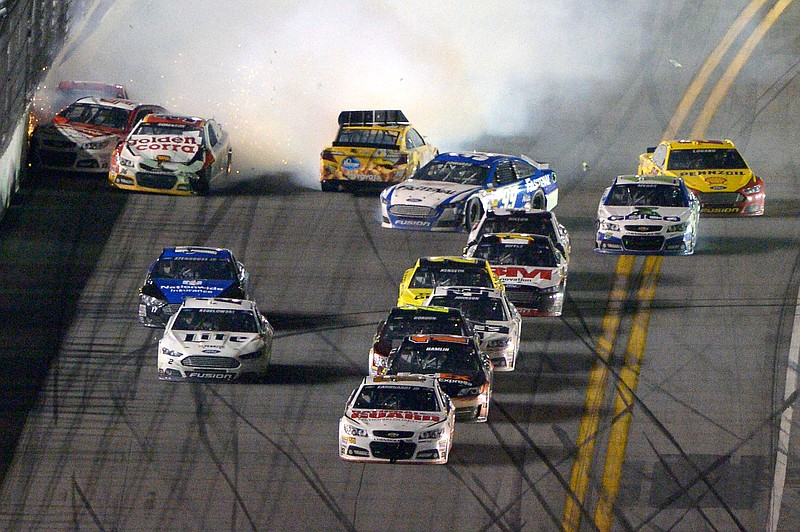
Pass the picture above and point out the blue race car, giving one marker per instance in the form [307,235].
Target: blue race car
[452,192]
[188,271]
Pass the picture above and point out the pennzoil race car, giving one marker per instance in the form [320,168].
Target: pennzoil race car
[463,371]
[452,192]
[495,320]
[172,154]
[429,272]
[643,215]
[373,148]
[532,269]
[397,419]
[215,339]
[714,170]
[411,319]
[83,135]
[535,222]
[189,271]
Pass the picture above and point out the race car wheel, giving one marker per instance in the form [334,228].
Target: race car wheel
[329,186]
[473,213]
[202,185]
[538,201]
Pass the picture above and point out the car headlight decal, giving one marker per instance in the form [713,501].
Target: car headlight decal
[608,226]
[431,434]
[677,228]
[352,430]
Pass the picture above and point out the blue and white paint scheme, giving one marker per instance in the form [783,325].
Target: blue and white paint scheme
[452,192]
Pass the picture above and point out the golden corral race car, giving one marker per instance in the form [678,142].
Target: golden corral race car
[429,272]
[714,170]
[397,419]
[532,269]
[464,372]
[47,101]
[373,149]
[172,154]
[83,135]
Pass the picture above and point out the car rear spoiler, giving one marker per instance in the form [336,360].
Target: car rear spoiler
[372,117]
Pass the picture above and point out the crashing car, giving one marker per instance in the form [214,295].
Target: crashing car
[47,101]
[397,419]
[411,319]
[531,267]
[495,320]
[172,154]
[83,135]
[463,371]
[714,170]
[452,192]
[215,339]
[373,149]
[189,271]
[643,215]
[429,272]
[533,222]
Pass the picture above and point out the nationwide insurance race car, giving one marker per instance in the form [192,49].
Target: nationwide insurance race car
[463,371]
[188,271]
[532,269]
[397,419]
[535,222]
[83,135]
[373,149]
[172,154]
[494,318]
[643,215]
[215,339]
[411,319]
[429,272]
[714,170]
[47,101]
[452,192]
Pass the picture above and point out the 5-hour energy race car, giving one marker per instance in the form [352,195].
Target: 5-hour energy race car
[714,170]
[452,192]
[172,154]
[643,215]
[429,272]
[49,100]
[374,149]
[215,339]
[189,271]
[397,419]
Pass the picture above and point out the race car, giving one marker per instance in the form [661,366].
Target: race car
[189,271]
[215,339]
[82,136]
[172,154]
[463,371]
[452,192]
[534,222]
[47,101]
[714,170]
[411,319]
[373,149]
[643,215]
[496,321]
[429,272]
[532,269]
[397,419]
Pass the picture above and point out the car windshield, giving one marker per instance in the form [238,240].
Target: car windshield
[435,357]
[154,128]
[371,138]
[387,397]
[535,225]
[477,308]
[526,253]
[453,172]
[406,323]
[427,276]
[194,269]
[646,195]
[205,319]
[96,115]
[700,159]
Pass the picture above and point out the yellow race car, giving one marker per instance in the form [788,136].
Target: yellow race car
[714,170]
[375,149]
[429,272]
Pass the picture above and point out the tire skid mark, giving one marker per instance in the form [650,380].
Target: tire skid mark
[494,518]
[372,245]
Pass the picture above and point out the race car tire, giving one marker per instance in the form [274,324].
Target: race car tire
[202,185]
[538,201]
[329,186]
[473,213]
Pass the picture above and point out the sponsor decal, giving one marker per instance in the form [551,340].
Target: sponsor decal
[719,210]
[351,163]
[718,188]
[644,213]
[523,272]
[715,180]
[394,414]
[176,143]
[415,223]
[211,351]
[213,337]
[208,375]
[424,188]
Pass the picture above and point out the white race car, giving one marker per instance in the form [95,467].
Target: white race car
[215,339]
[647,215]
[397,418]
[494,318]
[531,222]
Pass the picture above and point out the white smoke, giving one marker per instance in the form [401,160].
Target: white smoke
[276,73]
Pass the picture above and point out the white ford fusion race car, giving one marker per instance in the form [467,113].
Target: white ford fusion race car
[647,215]
[397,419]
[215,339]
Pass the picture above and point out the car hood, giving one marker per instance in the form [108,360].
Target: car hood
[524,275]
[644,215]
[715,180]
[394,419]
[215,343]
[164,149]
[175,290]
[78,134]
[429,193]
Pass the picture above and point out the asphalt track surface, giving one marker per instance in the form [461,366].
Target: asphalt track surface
[91,439]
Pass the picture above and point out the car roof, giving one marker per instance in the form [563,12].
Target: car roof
[219,303]
[699,144]
[518,238]
[487,159]
[195,251]
[166,118]
[426,381]
[444,261]
[417,309]
[522,213]
[647,180]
